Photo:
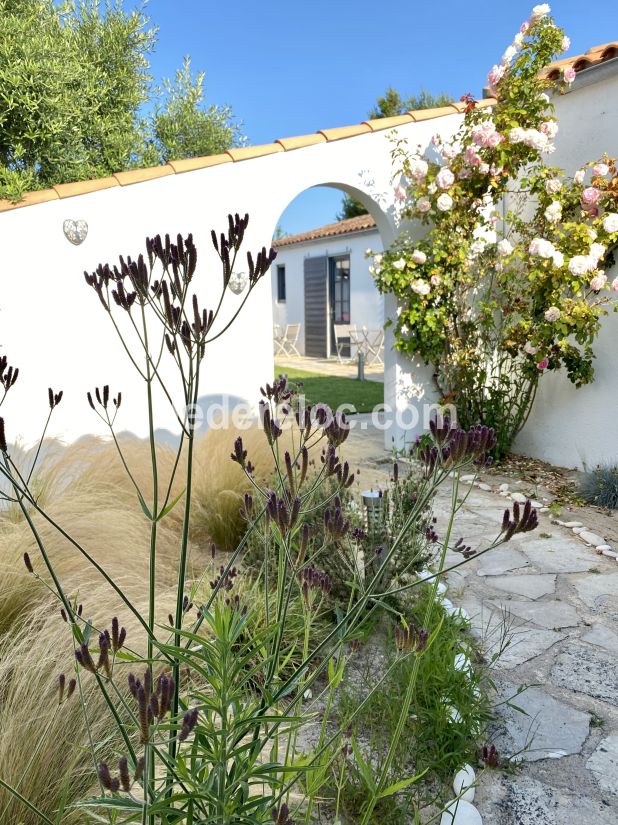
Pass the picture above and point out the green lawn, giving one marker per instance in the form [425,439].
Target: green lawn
[333,390]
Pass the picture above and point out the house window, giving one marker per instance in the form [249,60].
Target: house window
[281,284]
[340,289]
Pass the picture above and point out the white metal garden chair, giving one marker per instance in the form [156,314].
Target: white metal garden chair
[345,336]
[374,346]
[289,340]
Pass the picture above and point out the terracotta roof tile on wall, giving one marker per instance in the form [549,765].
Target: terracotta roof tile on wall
[593,57]
[361,223]
[579,62]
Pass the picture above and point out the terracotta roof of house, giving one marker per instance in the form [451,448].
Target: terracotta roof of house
[594,56]
[361,223]
[579,62]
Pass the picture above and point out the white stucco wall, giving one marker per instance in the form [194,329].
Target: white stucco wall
[54,329]
[366,303]
[573,427]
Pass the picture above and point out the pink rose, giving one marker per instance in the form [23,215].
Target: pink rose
[569,75]
[598,282]
[445,178]
[400,193]
[423,204]
[601,169]
[524,26]
[543,364]
[566,43]
[496,73]
[591,196]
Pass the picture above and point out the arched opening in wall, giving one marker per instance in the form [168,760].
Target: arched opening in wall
[327,312]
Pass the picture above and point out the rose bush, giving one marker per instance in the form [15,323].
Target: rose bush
[509,279]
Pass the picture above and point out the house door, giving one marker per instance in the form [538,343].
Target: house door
[316,306]
[338,296]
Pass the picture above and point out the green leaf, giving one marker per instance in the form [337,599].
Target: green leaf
[170,506]
[364,768]
[399,786]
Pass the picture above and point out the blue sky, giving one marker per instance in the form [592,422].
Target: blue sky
[290,68]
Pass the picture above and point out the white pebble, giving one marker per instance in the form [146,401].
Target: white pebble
[591,538]
[603,547]
[571,524]
[536,504]
[504,488]
[468,479]
[485,487]
[462,663]
[460,812]
[455,715]
[442,588]
[519,497]
[544,510]
[611,554]
[464,781]
[577,530]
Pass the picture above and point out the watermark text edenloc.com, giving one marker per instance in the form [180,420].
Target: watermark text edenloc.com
[230,413]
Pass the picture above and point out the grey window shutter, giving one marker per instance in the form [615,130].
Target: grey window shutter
[316,306]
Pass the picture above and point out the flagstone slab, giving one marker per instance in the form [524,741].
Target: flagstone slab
[602,636]
[521,800]
[596,589]
[604,764]
[588,670]
[549,729]
[549,614]
[526,644]
[559,557]
[533,586]
[500,561]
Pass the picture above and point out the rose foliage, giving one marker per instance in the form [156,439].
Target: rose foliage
[509,280]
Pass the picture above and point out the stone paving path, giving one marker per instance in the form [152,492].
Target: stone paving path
[560,602]
[559,599]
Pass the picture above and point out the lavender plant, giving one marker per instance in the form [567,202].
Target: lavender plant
[207,710]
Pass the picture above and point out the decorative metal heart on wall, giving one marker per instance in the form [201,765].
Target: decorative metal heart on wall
[75,231]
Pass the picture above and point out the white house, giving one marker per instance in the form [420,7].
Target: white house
[321,278]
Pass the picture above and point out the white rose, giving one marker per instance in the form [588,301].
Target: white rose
[558,258]
[517,134]
[504,248]
[368,253]
[541,247]
[610,222]
[579,176]
[444,202]
[399,264]
[552,314]
[423,204]
[419,257]
[580,264]
[418,168]
[420,287]
[509,54]
[377,259]
[436,280]
[530,348]
[518,39]
[615,285]
[553,213]
[540,11]
[597,250]
[544,98]
[553,186]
